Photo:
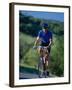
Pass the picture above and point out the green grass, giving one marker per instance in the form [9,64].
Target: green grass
[26,38]
[29,55]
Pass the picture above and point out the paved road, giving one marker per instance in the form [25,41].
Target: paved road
[31,76]
[28,73]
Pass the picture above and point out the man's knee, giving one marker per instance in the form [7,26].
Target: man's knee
[40,51]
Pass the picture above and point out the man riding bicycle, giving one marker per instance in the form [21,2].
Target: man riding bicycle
[45,39]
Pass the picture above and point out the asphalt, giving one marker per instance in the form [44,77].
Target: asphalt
[30,73]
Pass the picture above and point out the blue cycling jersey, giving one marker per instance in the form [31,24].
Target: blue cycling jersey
[45,36]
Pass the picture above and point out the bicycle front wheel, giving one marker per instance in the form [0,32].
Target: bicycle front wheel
[40,68]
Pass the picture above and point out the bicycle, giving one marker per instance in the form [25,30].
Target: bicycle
[42,64]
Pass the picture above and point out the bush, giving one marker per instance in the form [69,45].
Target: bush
[57,57]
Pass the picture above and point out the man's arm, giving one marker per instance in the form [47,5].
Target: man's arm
[50,42]
[37,41]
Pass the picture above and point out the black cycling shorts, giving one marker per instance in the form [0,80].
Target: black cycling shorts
[46,44]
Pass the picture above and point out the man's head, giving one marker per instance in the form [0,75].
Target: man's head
[45,27]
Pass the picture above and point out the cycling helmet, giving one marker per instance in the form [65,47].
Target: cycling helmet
[45,25]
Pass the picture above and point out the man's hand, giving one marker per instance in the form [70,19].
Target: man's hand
[48,46]
[34,47]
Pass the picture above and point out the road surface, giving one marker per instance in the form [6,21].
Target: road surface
[30,73]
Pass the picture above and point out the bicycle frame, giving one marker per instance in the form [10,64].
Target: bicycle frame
[44,57]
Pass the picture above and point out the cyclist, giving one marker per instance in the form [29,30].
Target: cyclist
[45,39]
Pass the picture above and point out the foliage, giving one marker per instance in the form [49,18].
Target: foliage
[57,56]
[31,26]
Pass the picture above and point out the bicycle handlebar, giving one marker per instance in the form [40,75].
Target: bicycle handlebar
[44,47]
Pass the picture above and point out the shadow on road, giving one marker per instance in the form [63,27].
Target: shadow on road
[29,70]
[26,73]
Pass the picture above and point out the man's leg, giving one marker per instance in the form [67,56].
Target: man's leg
[40,51]
[47,61]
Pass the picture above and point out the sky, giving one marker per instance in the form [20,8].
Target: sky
[46,15]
